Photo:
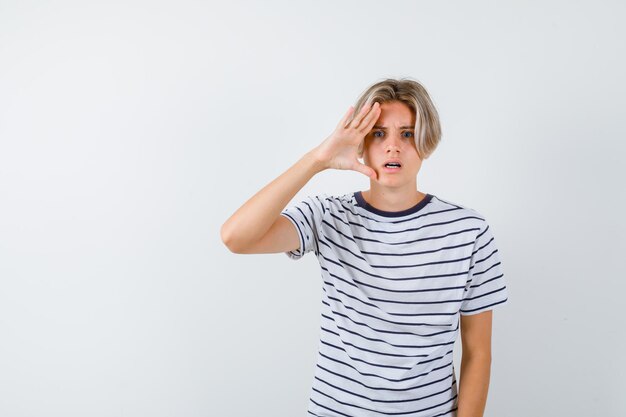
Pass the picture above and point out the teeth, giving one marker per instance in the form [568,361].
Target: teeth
[393,165]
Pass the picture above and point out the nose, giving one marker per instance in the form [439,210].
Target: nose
[393,143]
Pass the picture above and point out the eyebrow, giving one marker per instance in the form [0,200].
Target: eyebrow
[401,127]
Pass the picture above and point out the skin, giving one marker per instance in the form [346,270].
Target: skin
[393,191]
[254,228]
[475,364]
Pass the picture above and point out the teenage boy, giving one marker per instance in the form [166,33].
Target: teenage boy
[402,269]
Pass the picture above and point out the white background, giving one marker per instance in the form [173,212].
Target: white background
[130,131]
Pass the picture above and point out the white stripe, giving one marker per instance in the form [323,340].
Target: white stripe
[394,290]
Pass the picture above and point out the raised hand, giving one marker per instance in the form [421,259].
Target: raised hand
[339,150]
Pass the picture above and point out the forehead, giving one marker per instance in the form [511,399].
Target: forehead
[395,113]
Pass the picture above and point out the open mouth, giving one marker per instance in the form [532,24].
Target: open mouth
[392,166]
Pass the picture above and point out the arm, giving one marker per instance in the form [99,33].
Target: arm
[475,363]
[258,227]
[253,220]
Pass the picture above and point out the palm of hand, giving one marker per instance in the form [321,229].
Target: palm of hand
[340,149]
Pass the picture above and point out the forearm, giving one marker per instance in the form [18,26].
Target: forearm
[254,218]
[474,385]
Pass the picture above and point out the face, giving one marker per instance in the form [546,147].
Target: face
[393,137]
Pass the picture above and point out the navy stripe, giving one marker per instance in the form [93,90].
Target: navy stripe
[369,387]
[379,400]
[383,300]
[333,244]
[383,412]
[362,216]
[374,339]
[337,313]
[394,287]
[330,359]
[402,254]
[487,305]
[363,272]
[301,249]
[404,232]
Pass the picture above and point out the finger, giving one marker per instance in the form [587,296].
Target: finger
[371,118]
[359,118]
[344,119]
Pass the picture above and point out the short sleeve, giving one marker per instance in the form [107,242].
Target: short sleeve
[307,216]
[486,287]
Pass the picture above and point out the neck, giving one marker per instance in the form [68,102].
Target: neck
[393,199]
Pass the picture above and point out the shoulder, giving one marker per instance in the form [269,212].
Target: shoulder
[333,202]
[468,215]
[319,204]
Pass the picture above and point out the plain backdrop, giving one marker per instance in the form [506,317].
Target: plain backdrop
[131,130]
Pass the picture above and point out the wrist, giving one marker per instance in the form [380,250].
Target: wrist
[317,162]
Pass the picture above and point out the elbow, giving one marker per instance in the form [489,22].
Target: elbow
[229,240]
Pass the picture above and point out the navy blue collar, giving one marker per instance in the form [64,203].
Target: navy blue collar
[367,206]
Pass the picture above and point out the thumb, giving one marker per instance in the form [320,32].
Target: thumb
[365,170]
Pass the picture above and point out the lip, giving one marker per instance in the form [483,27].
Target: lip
[392,160]
[392,170]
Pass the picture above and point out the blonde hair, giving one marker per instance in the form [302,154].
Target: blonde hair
[415,96]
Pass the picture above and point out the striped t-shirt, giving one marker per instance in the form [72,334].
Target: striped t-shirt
[394,285]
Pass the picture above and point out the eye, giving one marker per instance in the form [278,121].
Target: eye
[410,134]
[376,132]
